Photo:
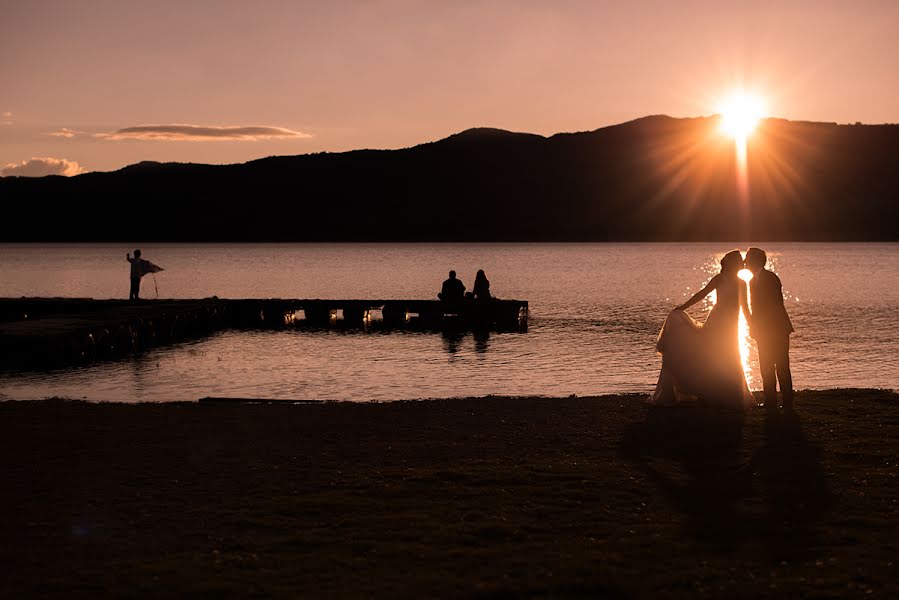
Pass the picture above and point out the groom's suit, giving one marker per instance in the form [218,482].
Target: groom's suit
[771,329]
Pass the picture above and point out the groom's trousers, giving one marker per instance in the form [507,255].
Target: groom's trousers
[774,364]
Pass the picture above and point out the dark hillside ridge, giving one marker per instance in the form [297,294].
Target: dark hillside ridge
[652,179]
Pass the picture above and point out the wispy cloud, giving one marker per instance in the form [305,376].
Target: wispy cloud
[41,166]
[181,132]
[7,118]
[202,133]
[67,133]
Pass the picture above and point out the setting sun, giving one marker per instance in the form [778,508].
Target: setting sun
[740,113]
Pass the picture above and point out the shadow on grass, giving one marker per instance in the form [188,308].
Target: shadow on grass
[793,485]
[697,460]
[694,457]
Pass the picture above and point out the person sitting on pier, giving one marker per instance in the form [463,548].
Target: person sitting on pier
[453,289]
[481,289]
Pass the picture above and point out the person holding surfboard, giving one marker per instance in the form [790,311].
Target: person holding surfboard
[139,268]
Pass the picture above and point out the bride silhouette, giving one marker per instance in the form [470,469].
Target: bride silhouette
[701,361]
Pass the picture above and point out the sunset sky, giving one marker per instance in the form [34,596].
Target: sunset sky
[96,85]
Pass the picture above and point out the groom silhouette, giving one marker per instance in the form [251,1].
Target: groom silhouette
[770,326]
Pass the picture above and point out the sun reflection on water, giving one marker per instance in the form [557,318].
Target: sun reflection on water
[745,275]
[744,349]
[711,268]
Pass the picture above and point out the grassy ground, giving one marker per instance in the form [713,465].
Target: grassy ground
[494,497]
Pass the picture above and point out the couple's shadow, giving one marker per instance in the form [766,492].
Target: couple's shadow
[709,466]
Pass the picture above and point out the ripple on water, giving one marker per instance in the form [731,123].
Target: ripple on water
[595,312]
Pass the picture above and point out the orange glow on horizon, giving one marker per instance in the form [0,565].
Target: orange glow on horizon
[740,114]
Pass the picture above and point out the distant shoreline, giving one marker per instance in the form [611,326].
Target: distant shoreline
[508,496]
[130,243]
[651,179]
[641,396]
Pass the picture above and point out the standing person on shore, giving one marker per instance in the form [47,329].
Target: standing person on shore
[703,360]
[136,273]
[139,268]
[770,327]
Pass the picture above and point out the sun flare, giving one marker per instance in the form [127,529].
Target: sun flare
[740,113]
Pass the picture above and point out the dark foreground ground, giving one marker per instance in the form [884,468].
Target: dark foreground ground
[517,497]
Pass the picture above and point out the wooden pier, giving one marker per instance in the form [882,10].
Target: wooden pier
[50,332]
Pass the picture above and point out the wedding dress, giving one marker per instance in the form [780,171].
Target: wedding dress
[701,361]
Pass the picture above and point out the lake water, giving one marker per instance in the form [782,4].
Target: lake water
[595,311]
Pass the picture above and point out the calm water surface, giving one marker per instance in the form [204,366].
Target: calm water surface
[595,312]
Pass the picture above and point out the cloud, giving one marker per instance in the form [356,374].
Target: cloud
[198,133]
[41,166]
[7,118]
[67,133]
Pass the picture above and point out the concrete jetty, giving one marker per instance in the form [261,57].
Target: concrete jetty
[51,332]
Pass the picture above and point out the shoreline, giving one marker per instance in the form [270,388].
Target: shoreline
[518,496]
[639,396]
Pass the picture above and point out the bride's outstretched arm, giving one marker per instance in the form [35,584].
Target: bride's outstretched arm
[699,295]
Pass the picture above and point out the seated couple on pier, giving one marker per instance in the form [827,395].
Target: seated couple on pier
[454,290]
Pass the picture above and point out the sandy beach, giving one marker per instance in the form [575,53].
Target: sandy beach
[492,497]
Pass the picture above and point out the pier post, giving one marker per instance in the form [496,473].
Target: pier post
[394,314]
[354,315]
[318,314]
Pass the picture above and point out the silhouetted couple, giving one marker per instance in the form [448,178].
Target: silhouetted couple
[703,361]
[453,289]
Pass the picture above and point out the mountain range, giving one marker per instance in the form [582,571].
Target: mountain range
[653,179]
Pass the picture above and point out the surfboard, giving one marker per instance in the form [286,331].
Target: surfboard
[146,267]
